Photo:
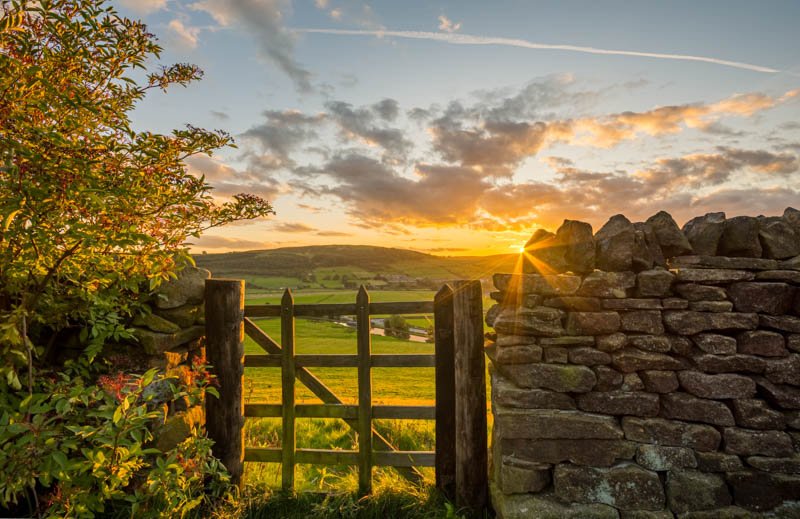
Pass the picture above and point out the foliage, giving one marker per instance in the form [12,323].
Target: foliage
[396,326]
[93,213]
[88,447]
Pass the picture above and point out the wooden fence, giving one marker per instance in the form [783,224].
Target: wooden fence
[460,458]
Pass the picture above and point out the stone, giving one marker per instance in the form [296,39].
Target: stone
[556,377]
[643,321]
[727,512]
[646,514]
[155,343]
[184,316]
[612,342]
[654,283]
[626,486]
[507,394]
[784,371]
[786,323]
[715,343]
[178,427]
[187,288]
[515,340]
[619,403]
[657,381]
[592,323]
[631,382]
[711,306]
[540,321]
[657,343]
[547,285]
[670,237]
[697,292]
[782,465]
[518,354]
[692,323]
[786,276]
[582,304]
[740,238]
[718,462]
[704,232]
[730,363]
[608,379]
[526,506]
[659,431]
[719,387]
[690,491]
[778,239]
[756,414]
[793,421]
[520,480]
[712,276]
[556,355]
[674,303]
[681,345]
[653,255]
[630,360]
[661,458]
[579,248]
[607,284]
[682,406]
[785,397]
[763,343]
[614,245]
[567,340]
[724,262]
[746,442]
[492,313]
[155,323]
[593,453]
[793,342]
[544,247]
[762,297]
[792,217]
[544,424]
[760,491]
[632,304]
[588,357]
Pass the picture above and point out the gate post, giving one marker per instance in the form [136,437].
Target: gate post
[224,314]
[445,392]
[471,469]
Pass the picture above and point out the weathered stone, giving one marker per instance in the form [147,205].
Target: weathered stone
[661,458]
[715,343]
[793,342]
[654,283]
[567,340]
[761,491]
[632,382]
[727,512]
[704,232]
[692,323]
[619,403]
[682,406]
[518,354]
[756,414]
[697,292]
[670,237]
[541,321]
[713,276]
[608,379]
[497,296]
[556,355]
[508,395]
[632,304]
[643,321]
[667,432]
[630,360]
[583,304]
[607,284]
[646,514]
[785,397]
[154,323]
[526,506]
[717,386]
[730,363]
[576,239]
[515,340]
[690,490]
[492,313]
[588,357]
[155,343]
[792,217]
[592,323]
[779,240]
[549,424]
[724,262]
[653,255]
[718,462]
[626,486]
[612,342]
[785,276]
[557,377]
[520,480]
[793,421]
[740,238]
[782,465]
[614,245]
[184,316]
[788,264]
[169,359]
[746,442]
[762,297]
[188,288]
[659,381]
[763,343]
[657,343]
[547,285]
[681,345]
[178,427]
[674,303]
[711,306]
[784,371]
[542,245]
[785,323]
[593,452]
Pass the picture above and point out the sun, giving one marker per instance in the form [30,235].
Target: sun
[521,249]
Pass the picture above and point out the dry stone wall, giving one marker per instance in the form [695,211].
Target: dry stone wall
[634,378]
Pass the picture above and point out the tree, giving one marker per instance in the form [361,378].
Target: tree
[93,214]
[396,326]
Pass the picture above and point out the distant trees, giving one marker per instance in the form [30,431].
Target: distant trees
[396,326]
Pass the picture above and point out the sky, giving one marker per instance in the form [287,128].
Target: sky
[460,127]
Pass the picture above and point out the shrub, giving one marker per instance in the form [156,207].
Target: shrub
[396,326]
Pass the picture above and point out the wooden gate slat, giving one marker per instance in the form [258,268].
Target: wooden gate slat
[364,340]
[287,392]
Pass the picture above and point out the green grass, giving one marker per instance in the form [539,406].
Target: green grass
[314,296]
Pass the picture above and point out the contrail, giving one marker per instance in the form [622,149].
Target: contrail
[468,39]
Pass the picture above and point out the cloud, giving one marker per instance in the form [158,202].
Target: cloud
[362,124]
[293,227]
[447,25]
[184,36]
[265,20]
[227,181]
[279,135]
[333,234]
[144,6]
[221,242]
[218,114]
[468,39]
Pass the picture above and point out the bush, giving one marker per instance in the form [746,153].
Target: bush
[396,326]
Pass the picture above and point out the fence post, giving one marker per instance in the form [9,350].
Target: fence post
[224,314]
[471,469]
[364,392]
[288,437]
[445,392]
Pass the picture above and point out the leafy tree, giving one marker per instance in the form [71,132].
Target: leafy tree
[93,214]
[396,326]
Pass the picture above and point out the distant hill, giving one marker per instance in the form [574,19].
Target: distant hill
[332,266]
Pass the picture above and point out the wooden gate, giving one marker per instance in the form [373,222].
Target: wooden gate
[460,458]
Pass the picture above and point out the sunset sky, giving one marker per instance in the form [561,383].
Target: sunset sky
[459,127]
